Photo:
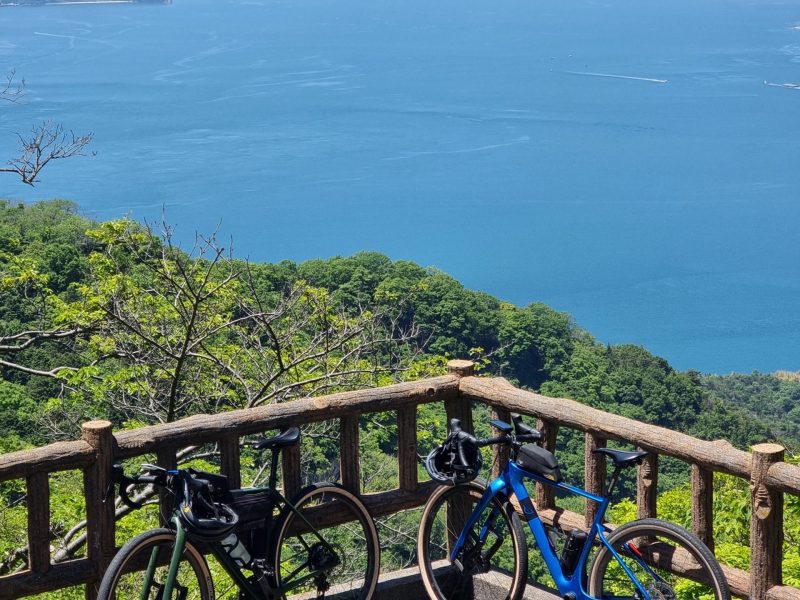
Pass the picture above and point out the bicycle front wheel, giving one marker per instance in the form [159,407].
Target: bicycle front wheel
[669,562]
[140,568]
[492,564]
[328,544]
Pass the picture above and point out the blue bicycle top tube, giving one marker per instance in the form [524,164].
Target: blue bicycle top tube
[518,474]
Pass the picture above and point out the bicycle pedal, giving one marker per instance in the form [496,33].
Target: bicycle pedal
[457,563]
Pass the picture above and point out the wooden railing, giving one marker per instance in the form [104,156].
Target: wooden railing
[94,454]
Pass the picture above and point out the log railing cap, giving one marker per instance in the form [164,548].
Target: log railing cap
[768,448]
[461,368]
[95,425]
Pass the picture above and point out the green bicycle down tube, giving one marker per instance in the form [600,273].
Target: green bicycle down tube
[149,574]
[175,562]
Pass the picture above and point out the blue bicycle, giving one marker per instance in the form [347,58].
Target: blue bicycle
[471,543]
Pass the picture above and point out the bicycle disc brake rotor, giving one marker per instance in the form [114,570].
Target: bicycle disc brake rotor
[477,556]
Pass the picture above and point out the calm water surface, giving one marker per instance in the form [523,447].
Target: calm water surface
[530,149]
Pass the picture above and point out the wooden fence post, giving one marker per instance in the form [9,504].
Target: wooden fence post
[407,448]
[290,470]
[38,499]
[500,452]
[229,455]
[594,474]
[459,407]
[647,487]
[349,462]
[766,523]
[545,495]
[99,513]
[166,457]
[703,504]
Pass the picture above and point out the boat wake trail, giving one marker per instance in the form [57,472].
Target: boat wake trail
[788,86]
[590,74]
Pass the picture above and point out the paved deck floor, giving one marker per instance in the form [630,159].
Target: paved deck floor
[407,585]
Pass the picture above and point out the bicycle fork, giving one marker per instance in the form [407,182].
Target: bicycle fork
[164,590]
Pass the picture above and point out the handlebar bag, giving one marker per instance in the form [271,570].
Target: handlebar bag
[536,459]
[219,488]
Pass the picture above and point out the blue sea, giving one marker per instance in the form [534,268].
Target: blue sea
[635,163]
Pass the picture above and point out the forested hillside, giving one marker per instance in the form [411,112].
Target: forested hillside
[773,398]
[112,320]
[95,301]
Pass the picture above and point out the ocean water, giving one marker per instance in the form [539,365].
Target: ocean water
[635,163]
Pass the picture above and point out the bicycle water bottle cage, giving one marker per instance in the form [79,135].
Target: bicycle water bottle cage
[536,459]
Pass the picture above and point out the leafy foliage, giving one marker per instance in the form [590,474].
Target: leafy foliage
[770,398]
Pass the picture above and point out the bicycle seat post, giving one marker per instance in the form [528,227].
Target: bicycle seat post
[273,471]
[613,480]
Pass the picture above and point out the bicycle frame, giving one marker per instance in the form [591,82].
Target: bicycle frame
[511,484]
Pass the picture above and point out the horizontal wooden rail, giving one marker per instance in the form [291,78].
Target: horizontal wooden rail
[719,455]
[74,572]
[61,456]
[201,429]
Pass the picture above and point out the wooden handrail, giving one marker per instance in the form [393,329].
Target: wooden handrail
[93,454]
[61,456]
[718,455]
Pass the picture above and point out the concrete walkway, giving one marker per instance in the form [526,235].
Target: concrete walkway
[407,585]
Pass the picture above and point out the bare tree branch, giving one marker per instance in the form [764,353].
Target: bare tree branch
[25,339]
[12,92]
[51,373]
[48,142]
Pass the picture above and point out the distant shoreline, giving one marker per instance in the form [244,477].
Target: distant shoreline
[54,2]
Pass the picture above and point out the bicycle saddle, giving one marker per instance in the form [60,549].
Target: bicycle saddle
[286,438]
[622,458]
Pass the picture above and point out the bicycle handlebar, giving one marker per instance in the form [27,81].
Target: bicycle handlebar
[159,477]
[527,434]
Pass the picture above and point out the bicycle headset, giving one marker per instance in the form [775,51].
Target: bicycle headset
[457,459]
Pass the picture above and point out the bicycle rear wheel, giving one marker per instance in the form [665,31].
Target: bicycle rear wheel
[345,566]
[493,564]
[139,571]
[669,562]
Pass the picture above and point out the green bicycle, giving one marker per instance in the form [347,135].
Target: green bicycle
[320,544]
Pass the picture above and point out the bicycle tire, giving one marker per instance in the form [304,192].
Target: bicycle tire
[497,573]
[125,577]
[657,542]
[353,536]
